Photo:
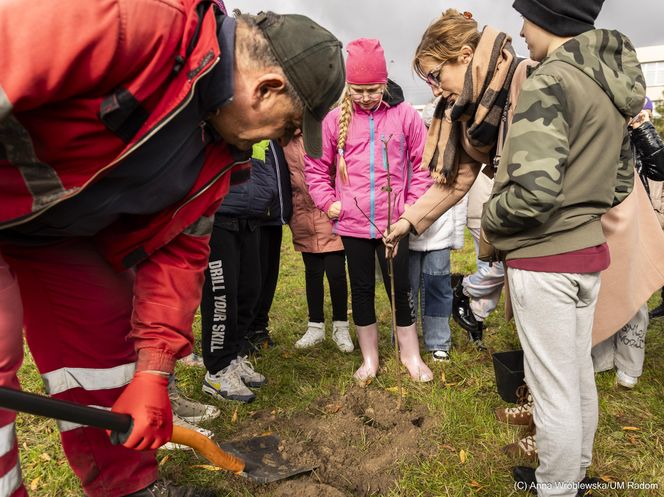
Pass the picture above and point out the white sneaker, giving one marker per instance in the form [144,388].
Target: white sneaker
[227,384]
[188,409]
[315,334]
[625,380]
[440,355]
[341,336]
[192,360]
[248,375]
[178,421]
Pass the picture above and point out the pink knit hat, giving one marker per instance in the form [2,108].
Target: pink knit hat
[365,64]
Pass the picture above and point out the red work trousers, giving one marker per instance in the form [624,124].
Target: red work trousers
[76,311]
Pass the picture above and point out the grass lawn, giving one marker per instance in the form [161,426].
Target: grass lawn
[453,450]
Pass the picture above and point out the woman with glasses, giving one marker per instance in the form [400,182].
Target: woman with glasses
[372,142]
[477,76]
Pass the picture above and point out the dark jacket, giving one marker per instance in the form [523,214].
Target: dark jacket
[281,208]
[649,153]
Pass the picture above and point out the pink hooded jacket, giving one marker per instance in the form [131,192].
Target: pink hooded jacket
[363,196]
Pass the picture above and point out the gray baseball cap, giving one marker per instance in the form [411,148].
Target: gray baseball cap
[312,60]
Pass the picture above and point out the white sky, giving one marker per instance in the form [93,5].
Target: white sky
[399,24]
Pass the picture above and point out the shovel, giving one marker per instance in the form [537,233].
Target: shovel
[258,458]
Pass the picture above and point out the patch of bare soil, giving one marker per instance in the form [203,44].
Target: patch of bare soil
[356,441]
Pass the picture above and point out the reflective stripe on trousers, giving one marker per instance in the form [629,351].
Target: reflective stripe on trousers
[77,317]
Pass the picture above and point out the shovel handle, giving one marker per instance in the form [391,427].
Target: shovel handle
[207,448]
[16,400]
[120,424]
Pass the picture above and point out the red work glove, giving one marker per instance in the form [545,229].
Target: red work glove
[146,400]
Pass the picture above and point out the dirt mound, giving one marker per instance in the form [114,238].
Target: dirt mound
[356,441]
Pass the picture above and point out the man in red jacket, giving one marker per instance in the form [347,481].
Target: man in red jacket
[122,124]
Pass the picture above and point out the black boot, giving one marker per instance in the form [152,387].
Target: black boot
[162,488]
[525,478]
[476,337]
[461,312]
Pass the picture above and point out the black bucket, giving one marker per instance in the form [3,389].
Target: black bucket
[508,367]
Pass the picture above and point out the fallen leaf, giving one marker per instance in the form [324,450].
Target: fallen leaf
[207,467]
[448,447]
[45,456]
[475,484]
[164,459]
[462,456]
[34,484]
[395,391]
[266,433]
[332,408]
[442,377]
[234,417]
[630,428]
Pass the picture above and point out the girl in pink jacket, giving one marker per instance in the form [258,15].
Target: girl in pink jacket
[373,126]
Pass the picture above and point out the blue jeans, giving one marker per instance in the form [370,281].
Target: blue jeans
[430,280]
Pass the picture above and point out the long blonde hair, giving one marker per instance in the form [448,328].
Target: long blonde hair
[445,37]
[345,116]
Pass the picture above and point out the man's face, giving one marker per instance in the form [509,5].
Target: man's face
[537,39]
[256,114]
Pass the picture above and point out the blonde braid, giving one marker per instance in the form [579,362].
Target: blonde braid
[344,122]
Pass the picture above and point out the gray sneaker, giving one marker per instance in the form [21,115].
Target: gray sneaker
[178,421]
[162,488]
[188,409]
[227,384]
[247,373]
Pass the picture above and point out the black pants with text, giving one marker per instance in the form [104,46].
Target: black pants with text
[230,291]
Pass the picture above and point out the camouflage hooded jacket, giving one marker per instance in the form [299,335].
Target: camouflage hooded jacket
[567,158]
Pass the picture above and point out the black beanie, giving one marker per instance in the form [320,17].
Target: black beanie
[561,17]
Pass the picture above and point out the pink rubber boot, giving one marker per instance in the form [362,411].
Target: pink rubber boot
[367,336]
[409,348]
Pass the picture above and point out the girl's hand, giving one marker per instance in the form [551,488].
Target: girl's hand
[334,210]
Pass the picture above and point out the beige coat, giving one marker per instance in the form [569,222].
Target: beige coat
[657,199]
[636,244]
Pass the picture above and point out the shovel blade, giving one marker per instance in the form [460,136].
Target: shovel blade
[264,462]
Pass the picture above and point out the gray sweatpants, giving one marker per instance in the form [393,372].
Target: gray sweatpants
[626,350]
[485,284]
[554,317]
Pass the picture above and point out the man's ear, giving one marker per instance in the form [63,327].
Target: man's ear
[268,85]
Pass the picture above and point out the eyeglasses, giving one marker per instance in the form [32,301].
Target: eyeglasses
[370,94]
[433,76]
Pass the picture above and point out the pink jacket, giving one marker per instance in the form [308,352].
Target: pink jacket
[363,196]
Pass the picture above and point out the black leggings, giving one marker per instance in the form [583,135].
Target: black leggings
[317,265]
[361,269]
